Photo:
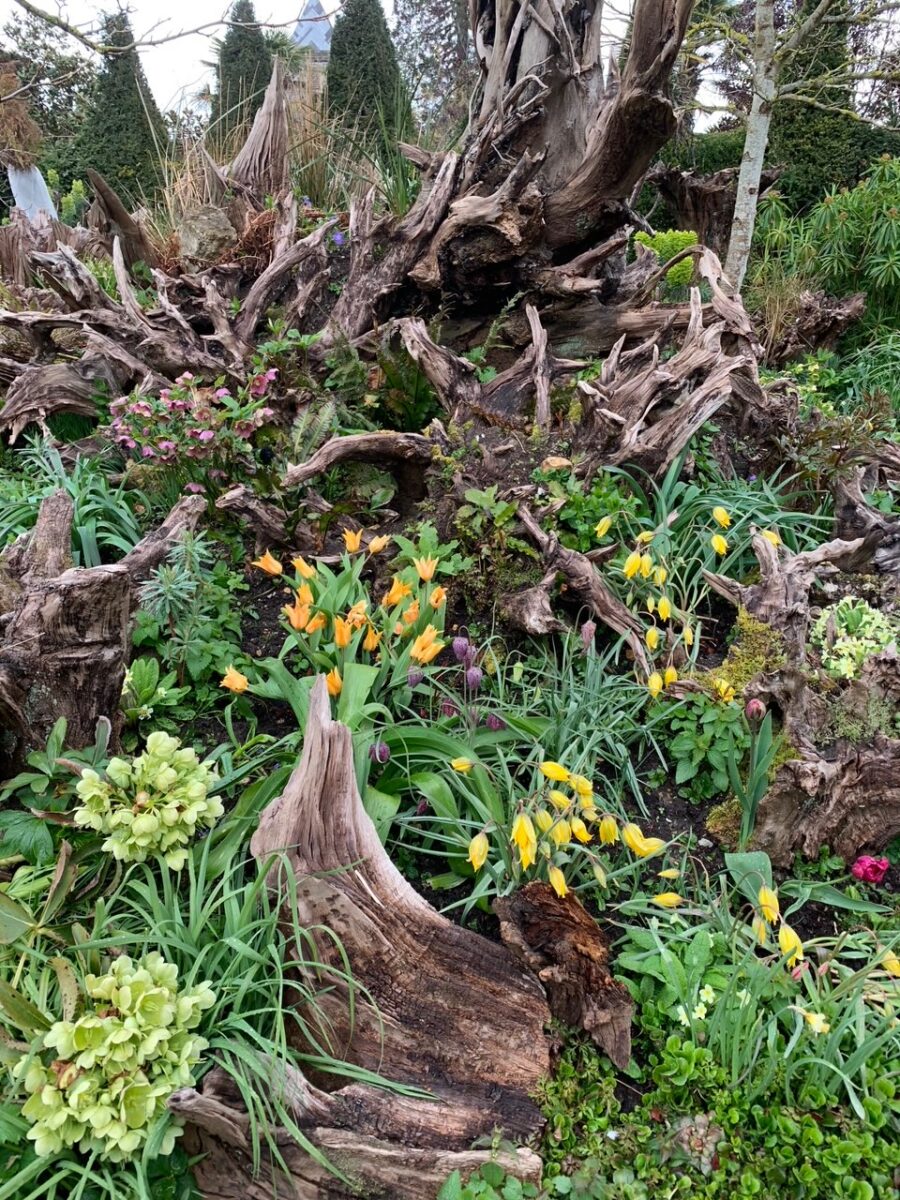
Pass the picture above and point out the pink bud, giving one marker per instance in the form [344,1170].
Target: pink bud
[755,710]
[588,633]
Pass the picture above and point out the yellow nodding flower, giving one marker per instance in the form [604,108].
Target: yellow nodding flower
[817,1022]
[426,568]
[372,639]
[640,845]
[670,676]
[525,838]
[660,575]
[789,943]
[544,820]
[768,905]
[669,873]
[297,615]
[582,786]
[655,684]
[269,563]
[426,648]
[333,682]
[234,681]
[478,850]
[558,882]
[687,635]
[721,517]
[588,811]
[718,543]
[608,831]
[646,566]
[318,622]
[378,544]
[437,598]
[603,526]
[342,633]
[632,565]
[398,591]
[651,606]
[760,930]
[891,963]
[462,765]
[561,832]
[580,830]
[555,771]
[771,537]
[411,614]
[304,594]
[668,899]
[352,539]
[560,800]
[645,537]
[599,874]
[302,567]
[664,608]
[651,637]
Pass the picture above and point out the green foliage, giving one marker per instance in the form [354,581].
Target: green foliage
[704,734]
[242,73]
[850,632]
[123,136]
[148,695]
[756,649]
[490,1182]
[363,76]
[707,152]
[665,244]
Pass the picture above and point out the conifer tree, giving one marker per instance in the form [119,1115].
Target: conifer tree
[124,135]
[243,70]
[365,89]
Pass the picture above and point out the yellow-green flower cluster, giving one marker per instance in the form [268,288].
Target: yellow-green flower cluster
[152,805]
[115,1066]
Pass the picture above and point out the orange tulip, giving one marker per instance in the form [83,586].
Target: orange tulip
[342,633]
[437,597]
[302,567]
[304,594]
[377,544]
[356,616]
[412,613]
[372,638]
[426,648]
[268,563]
[297,615]
[352,540]
[234,681]
[333,682]
[426,568]
[317,623]
[399,591]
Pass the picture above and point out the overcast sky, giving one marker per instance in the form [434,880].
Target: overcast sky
[175,69]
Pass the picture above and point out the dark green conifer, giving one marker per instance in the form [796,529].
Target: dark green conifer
[243,72]
[365,90]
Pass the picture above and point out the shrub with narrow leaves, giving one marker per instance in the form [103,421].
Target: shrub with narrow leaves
[116,1065]
[150,805]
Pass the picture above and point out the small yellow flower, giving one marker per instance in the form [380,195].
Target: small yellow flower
[632,565]
[669,873]
[437,598]
[760,930]
[478,850]
[718,543]
[426,648]
[583,787]
[333,682]
[891,963]
[304,594]
[544,820]
[588,811]
[525,838]
[668,899]
[426,568]
[651,606]
[789,943]
[771,536]
[234,681]
[664,608]
[646,566]
[318,622]
[555,771]
[580,830]
[655,684]
[372,638]
[268,563]
[599,874]
[561,833]
[462,765]
[768,905]
[342,633]
[558,881]
[670,676]
[687,635]
[398,591]
[560,800]
[297,615]
[721,517]
[303,568]
[651,637]
[608,831]
[378,544]
[816,1021]
[411,614]
[642,846]
[645,537]
[660,575]
[603,526]
[724,690]
[352,540]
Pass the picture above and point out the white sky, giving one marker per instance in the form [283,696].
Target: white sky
[175,70]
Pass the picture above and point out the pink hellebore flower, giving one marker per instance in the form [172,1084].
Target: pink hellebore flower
[869,869]
[185,378]
[194,488]
[220,392]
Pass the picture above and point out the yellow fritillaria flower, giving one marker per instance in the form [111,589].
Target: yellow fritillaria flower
[558,881]
[603,526]
[333,682]
[297,615]
[378,544]
[426,568]
[664,608]
[660,575]
[372,638]
[268,563]
[687,635]
[352,539]
[580,830]
[632,565]
[608,830]
[437,598]
[544,820]
[771,536]
[718,543]
[642,846]
[525,838]
[478,850]
[651,606]
[655,684]
[581,785]
[343,632]
[760,930]
[555,771]
[651,637]
[645,537]
[669,873]
[398,591]
[724,690]
[721,517]
[302,567]
[462,765]
[768,905]
[790,944]
[599,874]
[891,963]
[646,566]
[561,833]
[560,800]
[234,681]
[670,676]
[668,899]
[318,622]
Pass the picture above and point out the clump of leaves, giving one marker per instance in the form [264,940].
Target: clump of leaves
[704,734]
[850,632]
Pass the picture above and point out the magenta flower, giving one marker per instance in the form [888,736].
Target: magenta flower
[207,435]
[185,378]
[194,488]
[869,869]
[220,392]
[148,452]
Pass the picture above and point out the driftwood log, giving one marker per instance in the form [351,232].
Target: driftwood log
[437,1007]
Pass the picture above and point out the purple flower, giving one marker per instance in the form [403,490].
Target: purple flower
[165,394]
[415,677]
[460,646]
[207,435]
[380,753]
[449,709]
[494,723]
[196,489]
[588,632]
[166,444]
[220,392]
[474,676]
[754,710]
[338,238]
[306,202]
[186,377]
[470,656]
[148,452]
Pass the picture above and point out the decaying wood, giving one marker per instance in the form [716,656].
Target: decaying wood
[704,203]
[46,389]
[531,611]
[262,163]
[854,518]
[819,323]
[384,447]
[269,523]
[564,946]
[136,245]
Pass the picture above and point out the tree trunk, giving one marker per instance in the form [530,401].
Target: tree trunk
[765,73]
